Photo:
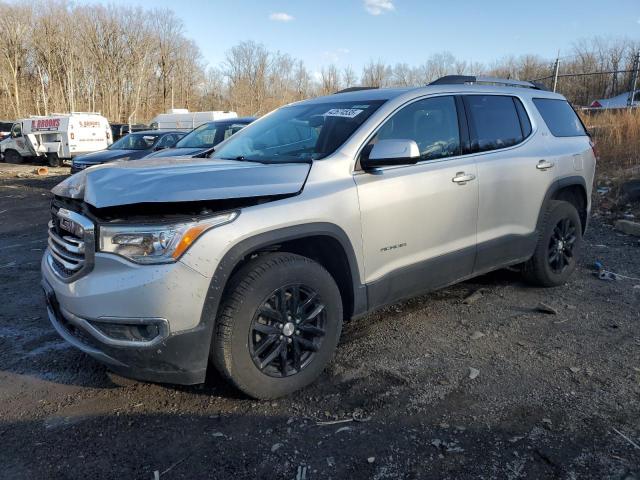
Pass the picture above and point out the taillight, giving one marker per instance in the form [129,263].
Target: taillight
[72,136]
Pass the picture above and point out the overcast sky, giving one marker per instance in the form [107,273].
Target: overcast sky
[352,32]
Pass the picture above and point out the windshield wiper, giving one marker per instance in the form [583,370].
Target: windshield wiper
[206,153]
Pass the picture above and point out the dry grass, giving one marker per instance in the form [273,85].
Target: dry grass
[617,137]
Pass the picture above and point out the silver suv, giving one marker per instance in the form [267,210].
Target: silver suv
[250,258]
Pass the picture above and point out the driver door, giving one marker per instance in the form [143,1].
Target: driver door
[419,221]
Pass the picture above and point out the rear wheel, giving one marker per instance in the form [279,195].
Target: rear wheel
[11,156]
[278,326]
[555,257]
[53,160]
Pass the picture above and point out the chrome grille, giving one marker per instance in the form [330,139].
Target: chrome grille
[71,244]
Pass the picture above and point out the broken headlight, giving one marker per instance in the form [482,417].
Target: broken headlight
[161,243]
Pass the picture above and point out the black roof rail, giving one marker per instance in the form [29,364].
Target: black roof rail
[467,79]
[354,89]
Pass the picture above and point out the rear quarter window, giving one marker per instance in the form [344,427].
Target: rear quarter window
[560,118]
[496,121]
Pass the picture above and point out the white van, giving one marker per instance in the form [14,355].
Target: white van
[57,137]
[183,119]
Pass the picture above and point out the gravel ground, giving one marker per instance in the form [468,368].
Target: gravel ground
[554,395]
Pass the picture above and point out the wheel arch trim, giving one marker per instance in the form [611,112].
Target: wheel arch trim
[557,186]
[239,251]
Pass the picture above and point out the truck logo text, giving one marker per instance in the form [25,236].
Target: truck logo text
[45,124]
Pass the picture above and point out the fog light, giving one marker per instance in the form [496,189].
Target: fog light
[129,331]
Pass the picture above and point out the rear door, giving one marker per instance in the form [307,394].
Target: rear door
[514,175]
[419,221]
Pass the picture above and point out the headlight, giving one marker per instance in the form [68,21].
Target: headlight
[157,243]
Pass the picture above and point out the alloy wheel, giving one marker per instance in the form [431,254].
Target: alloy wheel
[287,330]
[561,245]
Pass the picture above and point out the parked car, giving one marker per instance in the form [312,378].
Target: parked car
[619,101]
[130,147]
[205,137]
[317,213]
[119,130]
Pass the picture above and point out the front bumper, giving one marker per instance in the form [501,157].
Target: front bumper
[116,293]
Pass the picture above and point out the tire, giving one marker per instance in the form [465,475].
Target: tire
[11,156]
[53,160]
[556,253]
[238,347]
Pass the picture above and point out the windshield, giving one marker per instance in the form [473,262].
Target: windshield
[299,132]
[202,137]
[135,141]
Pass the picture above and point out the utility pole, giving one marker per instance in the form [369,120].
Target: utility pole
[556,70]
[636,67]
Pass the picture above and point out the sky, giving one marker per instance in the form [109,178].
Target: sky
[353,32]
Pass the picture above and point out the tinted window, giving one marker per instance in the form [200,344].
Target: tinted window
[168,140]
[525,123]
[559,117]
[202,137]
[233,128]
[432,123]
[134,141]
[494,122]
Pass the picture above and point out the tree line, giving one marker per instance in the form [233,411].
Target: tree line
[131,63]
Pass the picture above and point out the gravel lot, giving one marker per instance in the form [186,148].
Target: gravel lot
[555,396]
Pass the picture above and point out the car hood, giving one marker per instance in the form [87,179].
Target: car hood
[177,152]
[104,156]
[153,180]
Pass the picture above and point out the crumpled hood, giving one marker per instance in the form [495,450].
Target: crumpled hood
[181,180]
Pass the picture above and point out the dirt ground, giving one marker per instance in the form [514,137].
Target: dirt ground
[556,395]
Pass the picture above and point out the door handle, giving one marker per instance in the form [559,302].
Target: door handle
[544,165]
[462,178]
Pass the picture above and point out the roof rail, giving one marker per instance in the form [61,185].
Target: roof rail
[354,89]
[468,79]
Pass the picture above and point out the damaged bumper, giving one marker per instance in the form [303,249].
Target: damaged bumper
[137,327]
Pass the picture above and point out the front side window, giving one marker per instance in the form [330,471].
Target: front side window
[432,123]
[16,130]
[168,140]
[232,129]
[494,122]
[559,117]
[202,137]
[299,132]
[134,141]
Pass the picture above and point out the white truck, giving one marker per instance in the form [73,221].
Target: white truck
[183,119]
[56,137]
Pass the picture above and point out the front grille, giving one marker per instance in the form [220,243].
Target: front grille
[71,243]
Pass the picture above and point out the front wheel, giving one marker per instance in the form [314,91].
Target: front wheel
[278,326]
[11,156]
[559,243]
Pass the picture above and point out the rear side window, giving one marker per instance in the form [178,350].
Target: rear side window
[560,117]
[495,121]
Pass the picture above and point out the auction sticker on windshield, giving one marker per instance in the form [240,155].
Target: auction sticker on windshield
[343,112]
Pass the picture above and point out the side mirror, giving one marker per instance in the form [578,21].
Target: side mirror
[391,152]
[158,147]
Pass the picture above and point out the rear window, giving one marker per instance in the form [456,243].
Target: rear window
[495,121]
[560,117]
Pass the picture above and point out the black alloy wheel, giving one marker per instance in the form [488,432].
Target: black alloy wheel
[287,330]
[561,245]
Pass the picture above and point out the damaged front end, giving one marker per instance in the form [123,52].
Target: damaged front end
[151,211]
[108,221]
